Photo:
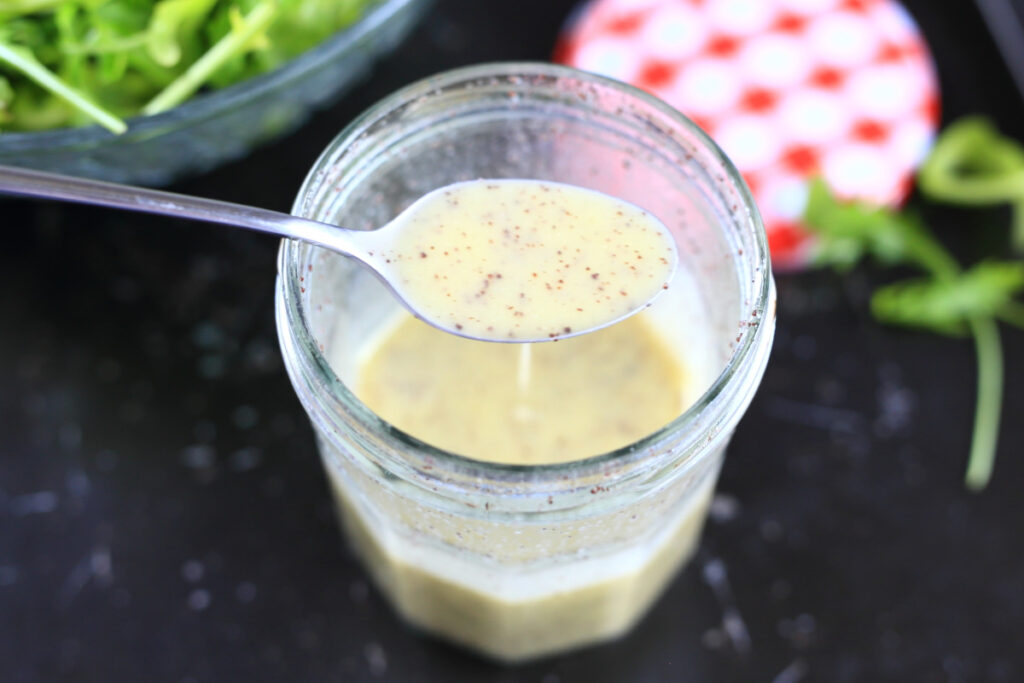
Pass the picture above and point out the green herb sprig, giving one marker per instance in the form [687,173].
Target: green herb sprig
[970,164]
[77,62]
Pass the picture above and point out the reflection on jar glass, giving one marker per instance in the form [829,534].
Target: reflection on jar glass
[522,560]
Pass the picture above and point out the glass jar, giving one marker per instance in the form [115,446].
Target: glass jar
[519,561]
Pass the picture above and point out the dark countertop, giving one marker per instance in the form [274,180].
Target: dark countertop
[163,515]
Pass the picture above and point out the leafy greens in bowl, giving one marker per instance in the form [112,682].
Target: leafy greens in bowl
[151,128]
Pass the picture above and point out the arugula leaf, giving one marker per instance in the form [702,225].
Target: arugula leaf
[244,34]
[946,305]
[25,62]
[973,164]
[851,231]
[15,7]
[172,23]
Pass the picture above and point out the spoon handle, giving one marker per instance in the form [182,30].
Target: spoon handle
[21,181]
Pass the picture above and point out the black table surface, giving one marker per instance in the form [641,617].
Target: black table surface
[164,517]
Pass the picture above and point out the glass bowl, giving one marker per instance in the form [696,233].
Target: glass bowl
[221,125]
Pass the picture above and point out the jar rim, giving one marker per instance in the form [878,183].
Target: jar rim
[748,358]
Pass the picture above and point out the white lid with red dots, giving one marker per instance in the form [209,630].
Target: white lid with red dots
[790,89]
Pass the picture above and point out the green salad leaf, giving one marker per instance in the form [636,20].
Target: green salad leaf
[850,231]
[973,164]
[244,34]
[946,305]
[21,59]
[172,29]
[78,62]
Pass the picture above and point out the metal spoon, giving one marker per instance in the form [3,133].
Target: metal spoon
[367,246]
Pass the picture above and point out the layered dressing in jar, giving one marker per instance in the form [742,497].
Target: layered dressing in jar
[523,501]
[541,587]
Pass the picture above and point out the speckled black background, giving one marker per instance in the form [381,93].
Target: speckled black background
[163,516]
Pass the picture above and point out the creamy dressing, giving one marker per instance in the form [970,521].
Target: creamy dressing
[525,403]
[509,260]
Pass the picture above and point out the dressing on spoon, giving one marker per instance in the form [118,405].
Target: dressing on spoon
[525,260]
[498,260]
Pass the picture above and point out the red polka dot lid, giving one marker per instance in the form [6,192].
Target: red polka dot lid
[790,89]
